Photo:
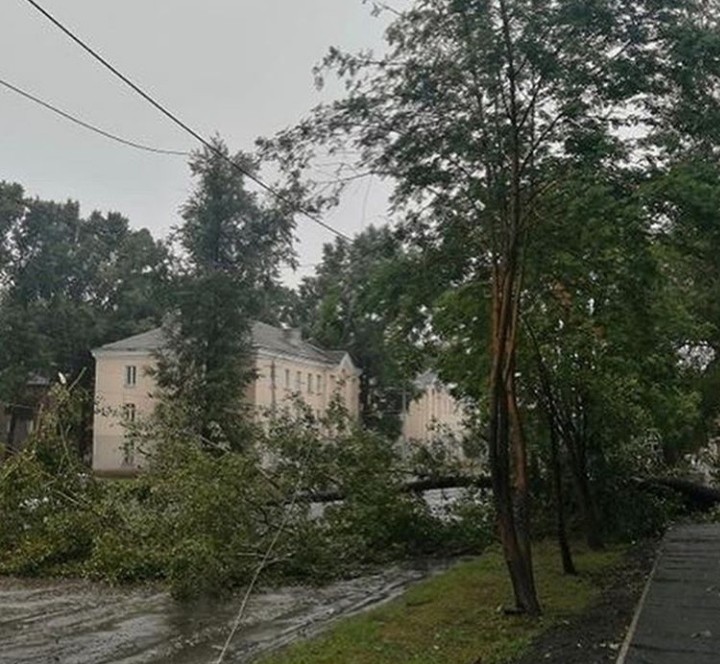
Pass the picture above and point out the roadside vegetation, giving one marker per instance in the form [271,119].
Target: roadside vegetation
[458,616]
[201,522]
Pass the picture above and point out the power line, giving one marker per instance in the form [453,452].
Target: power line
[87,125]
[279,196]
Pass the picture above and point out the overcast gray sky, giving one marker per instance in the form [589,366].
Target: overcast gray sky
[241,68]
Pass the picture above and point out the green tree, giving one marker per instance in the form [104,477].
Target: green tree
[477,111]
[230,249]
[606,323]
[685,198]
[68,284]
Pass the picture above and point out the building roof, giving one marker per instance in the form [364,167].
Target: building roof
[264,337]
[426,379]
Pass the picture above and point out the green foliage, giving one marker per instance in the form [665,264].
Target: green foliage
[377,519]
[48,502]
[202,520]
[631,513]
[232,247]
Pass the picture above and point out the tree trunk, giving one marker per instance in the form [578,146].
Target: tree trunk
[556,472]
[520,481]
[578,466]
[506,445]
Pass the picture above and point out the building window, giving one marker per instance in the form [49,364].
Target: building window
[287,379]
[319,384]
[129,412]
[130,376]
[309,386]
[298,381]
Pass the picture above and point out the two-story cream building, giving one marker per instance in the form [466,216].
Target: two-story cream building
[287,367]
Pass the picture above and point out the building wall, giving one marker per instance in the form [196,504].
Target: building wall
[113,395]
[282,379]
[279,380]
[435,406]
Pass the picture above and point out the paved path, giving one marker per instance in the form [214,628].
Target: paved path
[678,620]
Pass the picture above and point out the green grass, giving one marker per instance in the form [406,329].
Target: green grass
[457,618]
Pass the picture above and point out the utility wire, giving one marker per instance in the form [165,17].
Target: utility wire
[87,125]
[174,118]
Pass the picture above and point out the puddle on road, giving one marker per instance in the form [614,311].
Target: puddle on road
[81,623]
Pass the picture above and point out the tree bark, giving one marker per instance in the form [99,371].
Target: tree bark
[556,472]
[507,445]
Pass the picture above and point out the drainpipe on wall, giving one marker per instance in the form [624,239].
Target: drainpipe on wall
[273,387]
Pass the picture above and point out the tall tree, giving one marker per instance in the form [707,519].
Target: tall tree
[231,247]
[68,284]
[606,323]
[477,111]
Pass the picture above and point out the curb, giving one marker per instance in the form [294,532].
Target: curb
[636,616]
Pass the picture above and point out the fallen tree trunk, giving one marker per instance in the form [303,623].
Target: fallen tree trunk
[414,486]
[696,495]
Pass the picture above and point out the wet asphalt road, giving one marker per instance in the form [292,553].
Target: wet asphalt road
[74,622]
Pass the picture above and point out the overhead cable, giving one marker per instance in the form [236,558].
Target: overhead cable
[87,125]
[185,127]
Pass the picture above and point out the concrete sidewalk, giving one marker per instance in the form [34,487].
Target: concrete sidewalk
[678,619]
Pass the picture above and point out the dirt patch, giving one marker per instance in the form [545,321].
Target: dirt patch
[596,635]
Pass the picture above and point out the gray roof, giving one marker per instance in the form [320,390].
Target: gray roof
[146,341]
[265,337]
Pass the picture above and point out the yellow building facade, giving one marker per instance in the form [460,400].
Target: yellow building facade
[288,367]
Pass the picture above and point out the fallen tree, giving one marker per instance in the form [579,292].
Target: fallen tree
[695,495]
[418,485]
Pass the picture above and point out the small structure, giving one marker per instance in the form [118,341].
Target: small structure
[287,367]
[18,420]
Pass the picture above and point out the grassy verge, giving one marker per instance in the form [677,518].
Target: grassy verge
[456,618]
